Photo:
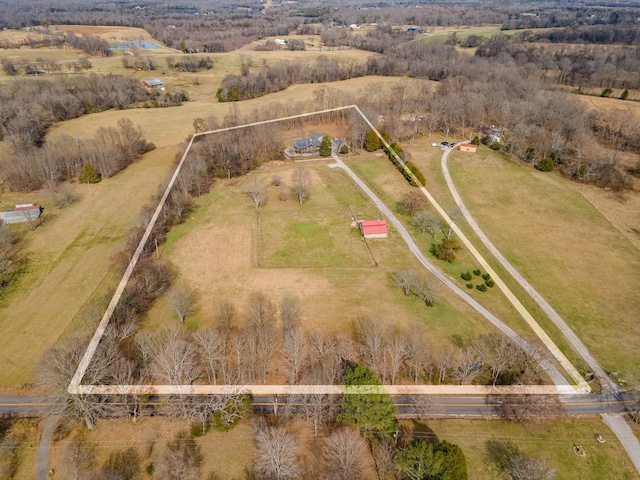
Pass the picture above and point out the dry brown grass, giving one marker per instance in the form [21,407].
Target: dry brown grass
[110,33]
[69,262]
[215,253]
[226,453]
[573,255]
[169,126]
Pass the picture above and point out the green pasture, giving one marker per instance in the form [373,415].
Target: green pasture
[569,252]
[552,441]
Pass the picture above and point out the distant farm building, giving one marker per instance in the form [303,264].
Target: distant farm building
[23,212]
[468,147]
[35,71]
[374,228]
[154,84]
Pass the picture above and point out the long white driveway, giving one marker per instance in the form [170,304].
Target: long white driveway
[615,422]
[559,322]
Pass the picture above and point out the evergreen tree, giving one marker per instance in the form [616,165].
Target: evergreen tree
[371,141]
[455,464]
[325,146]
[420,460]
[624,94]
[366,405]
[89,174]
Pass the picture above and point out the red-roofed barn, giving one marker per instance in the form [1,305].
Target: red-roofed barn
[374,228]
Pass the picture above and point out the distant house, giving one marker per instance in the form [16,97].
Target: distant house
[154,84]
[307,145]
[35,71]
[23,212]
[373,228]
[491,133]
[468,147]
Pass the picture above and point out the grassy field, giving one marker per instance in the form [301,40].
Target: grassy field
[27,432]
[389,185]
[553,442]
[69,262]
[169,126]
[564,246]
[224,222]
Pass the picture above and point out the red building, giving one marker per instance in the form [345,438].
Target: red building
[468,147]
[374,228]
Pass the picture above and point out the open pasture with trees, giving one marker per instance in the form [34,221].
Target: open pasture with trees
[223,230]
[69,262]
[564,246]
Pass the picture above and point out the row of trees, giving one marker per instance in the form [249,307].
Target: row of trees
[110,151]
[273,78]
[28,107]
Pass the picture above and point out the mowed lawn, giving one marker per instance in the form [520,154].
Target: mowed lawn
[573,256]
[215,252]
[69,263]
[553,442]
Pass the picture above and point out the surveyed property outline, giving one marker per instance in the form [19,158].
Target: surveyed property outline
[76,388]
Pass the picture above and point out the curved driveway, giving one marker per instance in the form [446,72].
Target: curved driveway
[557,378]
[558,321]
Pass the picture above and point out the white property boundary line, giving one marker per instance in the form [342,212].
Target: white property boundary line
[75,388]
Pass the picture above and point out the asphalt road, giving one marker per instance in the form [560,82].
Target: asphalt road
[426,405]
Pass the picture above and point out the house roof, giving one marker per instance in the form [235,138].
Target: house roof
[468,145]
[302,143]
[154,82]
[316,139]
[22,214]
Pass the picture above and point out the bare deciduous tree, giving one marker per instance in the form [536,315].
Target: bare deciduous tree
[290,311]
[174,359]
[301,179]
[79,459]
[372,337]
[210,347]
[225,314]
[405,278]
[294,352]
[343,454]
[183,301]
[181,460]
[426,222]
[425,290]
[58,367]
[257,191]
[277,454]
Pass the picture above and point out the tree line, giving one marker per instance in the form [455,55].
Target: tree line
[110,151]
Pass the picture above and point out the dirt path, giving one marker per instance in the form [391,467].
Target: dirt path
[44,448]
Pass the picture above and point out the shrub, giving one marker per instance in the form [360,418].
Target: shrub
[624,95]
[477,273]
[466,276]
[446,249]
[489,283]
[469,285]
[416,171]
[482,287]
[371,141]
[495,146]
[344,149]
[476,140]
[486,276]
[545,165]
[606,92]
